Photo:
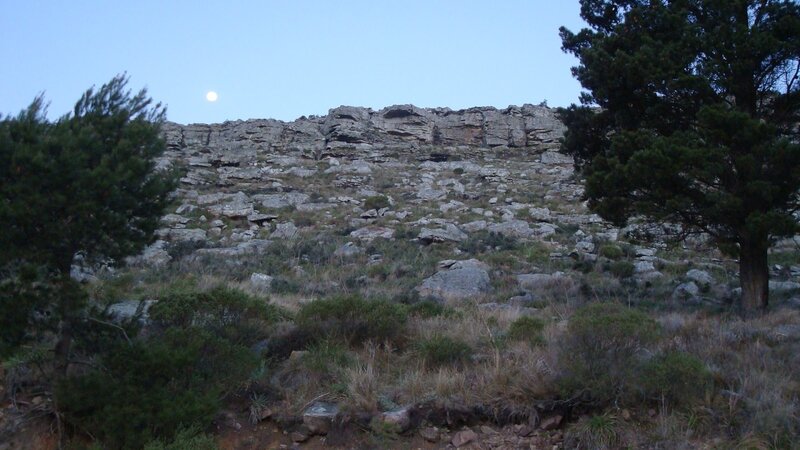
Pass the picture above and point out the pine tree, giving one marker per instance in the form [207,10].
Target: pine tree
[690,115]
[86,184]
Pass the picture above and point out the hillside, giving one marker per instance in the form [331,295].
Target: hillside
[472,222]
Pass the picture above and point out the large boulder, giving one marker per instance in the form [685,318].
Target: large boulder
[461,280]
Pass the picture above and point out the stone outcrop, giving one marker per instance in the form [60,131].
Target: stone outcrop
[346,128]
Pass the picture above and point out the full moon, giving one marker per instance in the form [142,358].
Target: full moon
[211,96]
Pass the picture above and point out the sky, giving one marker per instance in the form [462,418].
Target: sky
[285,59]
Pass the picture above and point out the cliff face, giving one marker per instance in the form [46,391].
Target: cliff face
[348,128]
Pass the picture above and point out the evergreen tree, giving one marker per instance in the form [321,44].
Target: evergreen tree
[86,184]
[690,115]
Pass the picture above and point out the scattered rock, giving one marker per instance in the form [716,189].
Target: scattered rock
[686,291]
[462,280]
[319,417]
[347,250]
[399,420]
[449,233]
[551,423]
[371,233]
[701,277]
[261,281]
[430,434]
[286,230]
[463,438]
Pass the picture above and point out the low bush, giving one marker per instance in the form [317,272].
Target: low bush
[599,354]
[621,269]
[611,251]
[677,377]
[443,350]
[376,202]
[352,319]
[228,313]
[527,329]
[151,389]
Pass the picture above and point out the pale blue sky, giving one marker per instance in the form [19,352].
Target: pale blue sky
[284,59]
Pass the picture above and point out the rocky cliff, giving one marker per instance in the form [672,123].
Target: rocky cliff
[346,128]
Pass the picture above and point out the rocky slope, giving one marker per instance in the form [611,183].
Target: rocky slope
[445,174]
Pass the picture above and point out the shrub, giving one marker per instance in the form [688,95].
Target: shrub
[611,251]
[599,353]
[376,202]
[284,285]
[228,313]
[595,432]
[353,319]
[151,389]
[527,329]
[622,269]
[443,350]
[677,377]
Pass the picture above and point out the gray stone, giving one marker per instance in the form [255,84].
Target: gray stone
[370,233]
[514,228]
[701,277]
[347,250]
[461,281]
[261,281]
[128,309]
[643,267]
[463,438]
[186,235]
[783,286]
[286,230]
[449,233]
[398,420]
[472,227]
[277,201]
[319,416]
[686,291]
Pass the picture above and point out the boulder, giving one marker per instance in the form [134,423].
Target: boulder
[370,233]
[261,281]
[319,417]
[460,281]
[286,230]
[449,233]
[686,291]
[701,277]
[463,438]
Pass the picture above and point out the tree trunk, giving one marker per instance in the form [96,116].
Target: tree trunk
[754,276]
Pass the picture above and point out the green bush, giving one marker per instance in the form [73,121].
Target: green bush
[443,350]
[151,389]
[622,269]
[353,319]
[599,353]
[611,251]
[376,202]
[677,377]
[527,329]
[228,313]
